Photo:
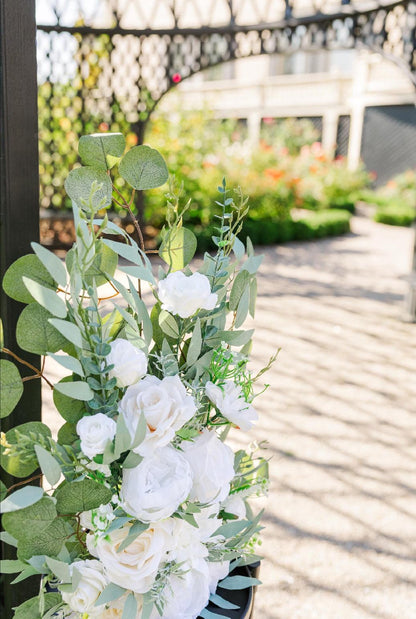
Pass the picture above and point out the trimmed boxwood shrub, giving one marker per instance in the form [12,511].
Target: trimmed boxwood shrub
[328,222]
[395,215]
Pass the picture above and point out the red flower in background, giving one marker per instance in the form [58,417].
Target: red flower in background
[103,127]
[176,78]
[274,173]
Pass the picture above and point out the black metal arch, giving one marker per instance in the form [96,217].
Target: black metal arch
[138,64]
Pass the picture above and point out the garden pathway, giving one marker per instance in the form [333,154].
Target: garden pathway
[340,537]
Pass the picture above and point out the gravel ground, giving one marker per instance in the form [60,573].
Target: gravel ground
[340,534]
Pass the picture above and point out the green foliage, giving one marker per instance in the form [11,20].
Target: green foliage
[178,248]
[34,332]
[18,456]
[30,608]
[80,496]
[395,215]
[90,188]
[26,266]
[101,150]
[70,408]
[11,387]
[24,497]
[143,168]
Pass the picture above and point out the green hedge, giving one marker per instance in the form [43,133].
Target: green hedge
[395,215]
[328,222]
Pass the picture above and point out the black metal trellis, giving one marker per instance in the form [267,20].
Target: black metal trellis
[147,48]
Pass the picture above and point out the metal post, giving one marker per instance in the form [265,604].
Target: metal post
[19,206]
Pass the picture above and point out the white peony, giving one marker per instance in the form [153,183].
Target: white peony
[187,545]
[134,568]
[208,521]
[89,588]
[212,464]
[217,571]
[229,399]
[165,405]
[184,295]
[186,595]
[157,486]
[95,432]
[130,363]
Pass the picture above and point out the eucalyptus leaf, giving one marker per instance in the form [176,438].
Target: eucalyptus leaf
[178,248]
[49,466]
[46,297]
[168,324]
[29,266]
[130,607]
[59,568]
[238,248]
[142,314]
[243,308]
[18,463]
[31,521]
[30,608]
[139,272]
[77,389]
[128,252]
[35,334]
[27,573]
[109,594]
[240,283]
[67,434]
[209,614]
[81,496]
[143,168]
[135,530]
[252,264]
[219,601]
[11,566]
[48,542]
[103,266]
[194,348]
[123,437]
[101,150]
[11,387]
[24,497]
[79,186]
[233,583]
[253,297]
[69,330]
[52,263]
[68,362]
[70,408]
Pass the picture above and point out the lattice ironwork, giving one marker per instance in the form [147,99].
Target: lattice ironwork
[139,50]
[104,64]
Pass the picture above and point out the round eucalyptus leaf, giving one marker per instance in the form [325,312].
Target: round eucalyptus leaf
[29,266]
[143,168]
[34,332]
[67,434]
[102,150]
[11,387]
[22,463]
[80,184]
[70,409]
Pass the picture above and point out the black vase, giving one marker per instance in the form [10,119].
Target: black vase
[243,598]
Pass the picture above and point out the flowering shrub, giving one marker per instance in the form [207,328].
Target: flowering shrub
[146,508]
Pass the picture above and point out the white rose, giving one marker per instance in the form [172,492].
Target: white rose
[186,595]
[136,566]
[155,488]
[115,609]
[229,399]
[234,504]
[165,405]
[184,295]
[217,571]
[212,464]
[130,363]
[95,432]
[89,588]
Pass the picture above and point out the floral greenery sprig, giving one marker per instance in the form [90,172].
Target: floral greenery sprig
[147,508]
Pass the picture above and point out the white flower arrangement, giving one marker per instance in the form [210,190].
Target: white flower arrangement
[148,507]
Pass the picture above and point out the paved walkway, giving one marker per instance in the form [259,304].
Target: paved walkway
[340,535]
